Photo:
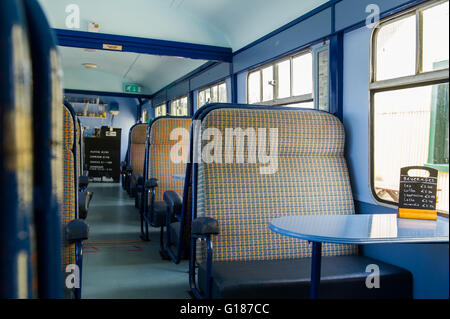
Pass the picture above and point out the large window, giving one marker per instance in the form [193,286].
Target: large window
[409,99]
[214,93]
[160,110]
[179,107]
[288,81]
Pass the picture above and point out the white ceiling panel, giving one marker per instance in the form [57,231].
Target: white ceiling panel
[229,23]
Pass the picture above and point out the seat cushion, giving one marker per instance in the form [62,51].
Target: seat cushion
[159,213]
[341,277]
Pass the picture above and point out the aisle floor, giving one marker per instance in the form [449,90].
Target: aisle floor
[116,263]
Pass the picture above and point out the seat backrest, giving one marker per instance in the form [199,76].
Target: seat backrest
[137,149]
[69,208]
[18,267]
[310,178]
[160,164]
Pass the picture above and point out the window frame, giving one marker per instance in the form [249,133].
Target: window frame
[288,100]
[419,79]
[179,100]
[209,87]
[159,105]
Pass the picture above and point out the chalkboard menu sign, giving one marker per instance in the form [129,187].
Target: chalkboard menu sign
[102,154]
[417,198]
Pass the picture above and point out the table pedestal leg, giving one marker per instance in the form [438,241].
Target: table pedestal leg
[315,269]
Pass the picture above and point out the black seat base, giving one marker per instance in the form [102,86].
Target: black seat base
[341,277]
[175,233]
[159,213]
[164,255]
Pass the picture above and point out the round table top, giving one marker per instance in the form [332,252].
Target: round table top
[362,228]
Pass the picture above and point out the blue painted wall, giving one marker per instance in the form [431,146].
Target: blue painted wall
[125,119]
[429,264]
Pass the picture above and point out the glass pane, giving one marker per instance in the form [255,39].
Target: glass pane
[214,94]
[160,110]
[435,38]
[402,136]
[439,139]
[184,106]
[396,49]
[207,96]
[254,87]
[305,105]
[173,107]
[201,98]
[223,93]
[302,75]
[284,79]
[267,83]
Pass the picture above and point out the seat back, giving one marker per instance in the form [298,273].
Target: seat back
[310,178]
[17,237]
[47,148]
[69,208]
[160,165]
[137,149]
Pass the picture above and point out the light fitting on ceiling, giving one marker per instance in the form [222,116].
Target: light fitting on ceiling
[90,65]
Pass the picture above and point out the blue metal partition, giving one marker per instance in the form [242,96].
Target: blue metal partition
[336,73]
[48,158]
[102,41]
[17,252]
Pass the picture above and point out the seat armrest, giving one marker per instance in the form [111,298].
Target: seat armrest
[76,230]
[205,226]
[151,183]
[174,203]
[84,198]
[83,181]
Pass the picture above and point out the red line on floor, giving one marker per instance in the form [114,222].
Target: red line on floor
[137,248]
[95,249]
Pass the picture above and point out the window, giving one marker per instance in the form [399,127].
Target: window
[215,93]
[160,110]
[179,107]
[409,99]
[144,117]
[288,81]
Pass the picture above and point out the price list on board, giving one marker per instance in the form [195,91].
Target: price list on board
[417,196]
[102,156]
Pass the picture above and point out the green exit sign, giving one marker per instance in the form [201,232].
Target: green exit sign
[132,88]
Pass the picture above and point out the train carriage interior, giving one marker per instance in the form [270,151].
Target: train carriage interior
[198,150]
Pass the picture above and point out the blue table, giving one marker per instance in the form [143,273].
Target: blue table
[357,229]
